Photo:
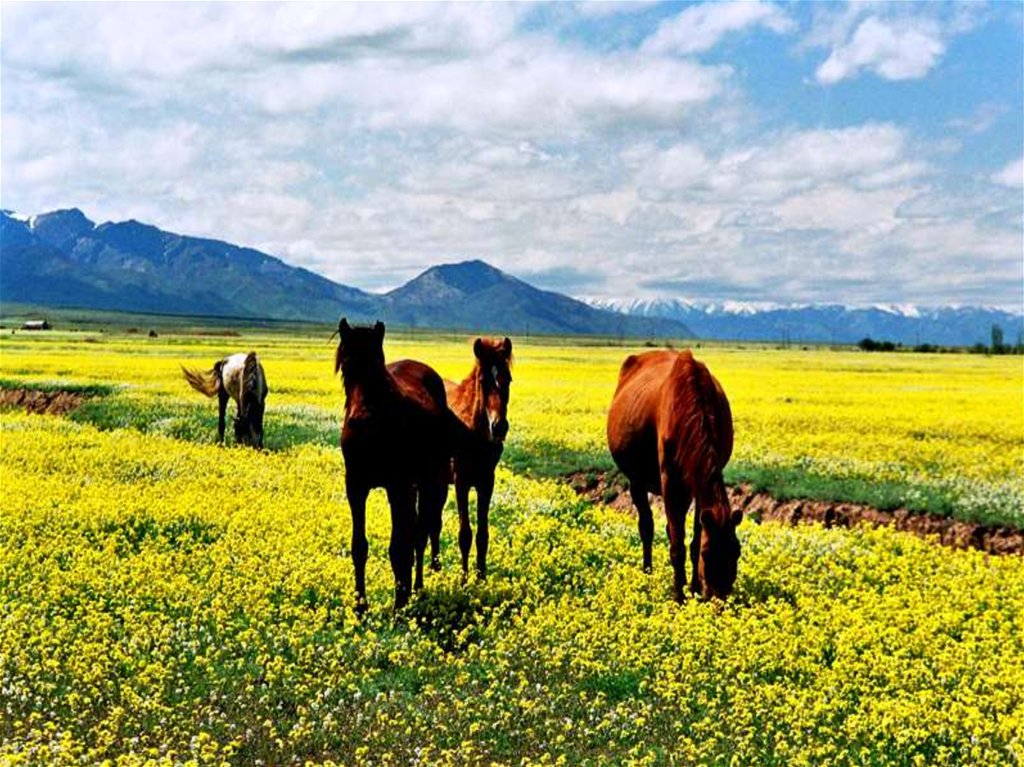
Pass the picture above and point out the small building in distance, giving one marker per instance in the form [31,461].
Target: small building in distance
[36,325]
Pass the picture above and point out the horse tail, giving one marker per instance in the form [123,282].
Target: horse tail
[206,382]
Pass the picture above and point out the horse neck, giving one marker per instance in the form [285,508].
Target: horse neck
[251,386]
[372,388]
[467,400]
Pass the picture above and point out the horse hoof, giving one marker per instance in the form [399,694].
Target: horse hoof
[435,565]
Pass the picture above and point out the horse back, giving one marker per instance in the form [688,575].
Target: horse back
[420,383]
[632,428]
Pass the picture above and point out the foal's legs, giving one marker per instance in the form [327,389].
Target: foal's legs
[403,531]
[357,503]
[645,520]
[677,501]
[465,530]
[484,491]
[222,403]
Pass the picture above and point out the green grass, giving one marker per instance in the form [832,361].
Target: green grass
[86,390]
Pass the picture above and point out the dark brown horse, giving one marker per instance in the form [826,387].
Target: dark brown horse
[239,377]
[670,432]
[396,435]
[481,404]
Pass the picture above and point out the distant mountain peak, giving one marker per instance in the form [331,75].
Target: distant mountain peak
[61,228]
[451,281]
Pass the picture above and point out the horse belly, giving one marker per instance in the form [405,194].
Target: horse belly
[633,440]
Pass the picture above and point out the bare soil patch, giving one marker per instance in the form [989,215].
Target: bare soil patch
[610,489]
[44,402]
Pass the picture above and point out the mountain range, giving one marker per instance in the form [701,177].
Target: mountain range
[830,323]
[64,259]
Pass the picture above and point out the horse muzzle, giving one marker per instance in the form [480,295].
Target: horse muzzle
[499,430]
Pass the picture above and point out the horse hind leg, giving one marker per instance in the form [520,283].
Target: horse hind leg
[403,539]
[695,584]
[645,521]
[436,520]
[420,543]
[222,406]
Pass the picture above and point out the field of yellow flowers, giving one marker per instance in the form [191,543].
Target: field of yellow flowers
[164,600]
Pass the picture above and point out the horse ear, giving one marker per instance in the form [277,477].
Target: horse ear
[737,517]
[478,348]
[506,347]
[378,330]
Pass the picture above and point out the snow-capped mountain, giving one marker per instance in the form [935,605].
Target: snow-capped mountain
[907,324]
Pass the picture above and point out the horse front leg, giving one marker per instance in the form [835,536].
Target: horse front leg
[677,501]
[403,534]
[465,530]
[484,492]
[360,547]
[645,521]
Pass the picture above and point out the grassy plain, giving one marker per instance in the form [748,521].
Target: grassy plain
[164,600]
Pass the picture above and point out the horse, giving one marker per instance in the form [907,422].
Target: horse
[670,432]
[239,377]
[396,435]
[480,402]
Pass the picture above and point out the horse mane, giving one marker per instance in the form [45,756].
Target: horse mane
[250,381]
[696,397]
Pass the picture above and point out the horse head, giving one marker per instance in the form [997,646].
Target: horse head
[360,351]
[494,363]
[719,546]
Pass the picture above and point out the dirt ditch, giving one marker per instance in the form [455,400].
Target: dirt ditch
[37,401]
[596,486]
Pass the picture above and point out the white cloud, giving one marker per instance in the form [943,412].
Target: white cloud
[891,50]
[701,27]
[1011,174]
[369,143]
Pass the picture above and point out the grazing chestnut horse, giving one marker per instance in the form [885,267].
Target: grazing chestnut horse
[670,432]
[481,404]
[239,377]
[396,435]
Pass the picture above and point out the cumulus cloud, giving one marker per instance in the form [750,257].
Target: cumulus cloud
[890,51]
[1011,174]
[368,143]
[895,41]
[701,27]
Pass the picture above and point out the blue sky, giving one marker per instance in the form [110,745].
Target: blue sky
[789,153]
